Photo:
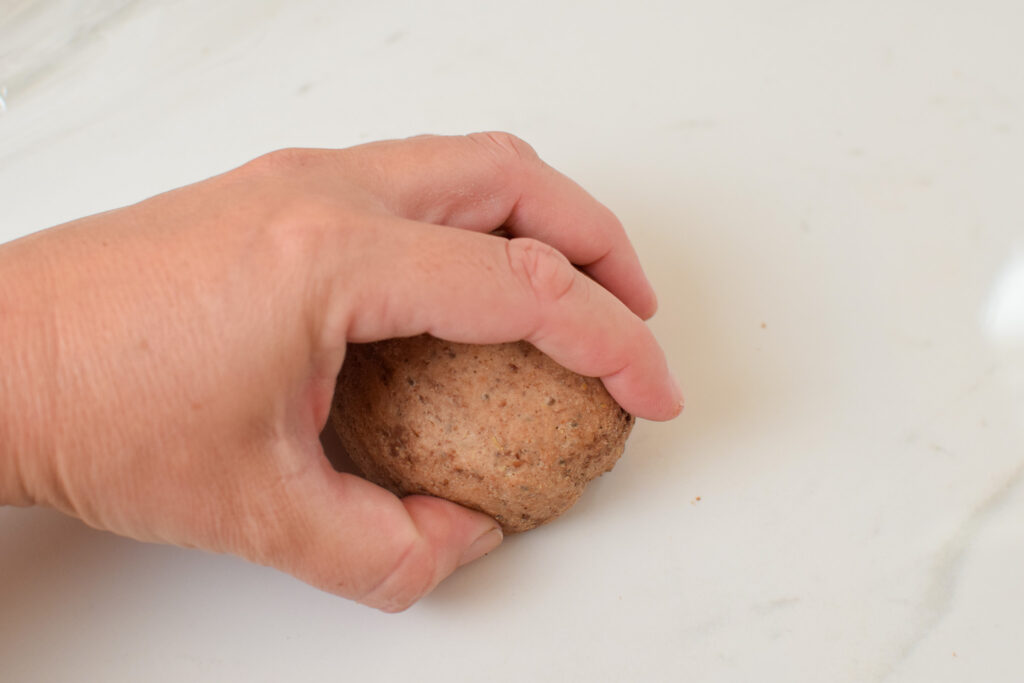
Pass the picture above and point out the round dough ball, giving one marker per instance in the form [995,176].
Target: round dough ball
[500,428]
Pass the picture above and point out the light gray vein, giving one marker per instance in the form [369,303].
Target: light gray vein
[946,568]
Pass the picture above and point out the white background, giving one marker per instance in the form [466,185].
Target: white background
[828,198]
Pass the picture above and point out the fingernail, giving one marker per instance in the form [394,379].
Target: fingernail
[677,392]
[487,542]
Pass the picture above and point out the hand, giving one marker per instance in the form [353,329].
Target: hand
[166,368]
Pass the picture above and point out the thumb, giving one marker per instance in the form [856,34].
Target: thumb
[352,538]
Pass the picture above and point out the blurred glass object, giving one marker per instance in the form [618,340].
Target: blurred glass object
[1004,314]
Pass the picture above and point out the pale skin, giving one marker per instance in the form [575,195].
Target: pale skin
[166,368]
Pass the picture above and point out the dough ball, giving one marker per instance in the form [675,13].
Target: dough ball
[500,428]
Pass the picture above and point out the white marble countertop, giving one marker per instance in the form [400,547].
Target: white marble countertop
[829,198]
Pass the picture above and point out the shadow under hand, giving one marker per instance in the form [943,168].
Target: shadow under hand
[55,571]
[709,326]
[728,336]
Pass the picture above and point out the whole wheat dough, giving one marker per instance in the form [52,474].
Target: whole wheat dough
[502,428]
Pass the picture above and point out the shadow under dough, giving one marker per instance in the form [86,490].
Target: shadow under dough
[335,452]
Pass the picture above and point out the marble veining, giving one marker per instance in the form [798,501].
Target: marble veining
[36,36]
[827,198]
[944,574]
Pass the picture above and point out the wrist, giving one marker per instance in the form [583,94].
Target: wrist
[25,339]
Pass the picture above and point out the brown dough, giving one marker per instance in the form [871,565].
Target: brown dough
[501,428]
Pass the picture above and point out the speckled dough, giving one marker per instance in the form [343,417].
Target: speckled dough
[502,429]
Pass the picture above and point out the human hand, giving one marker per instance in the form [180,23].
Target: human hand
[166,368]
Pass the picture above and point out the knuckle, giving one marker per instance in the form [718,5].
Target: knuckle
[286,160]
[506,146]
[544,269]
[301,229]
[273,529]
[266,540]
[410,577]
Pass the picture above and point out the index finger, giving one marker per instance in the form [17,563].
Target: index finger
[485,181]
[479,289]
